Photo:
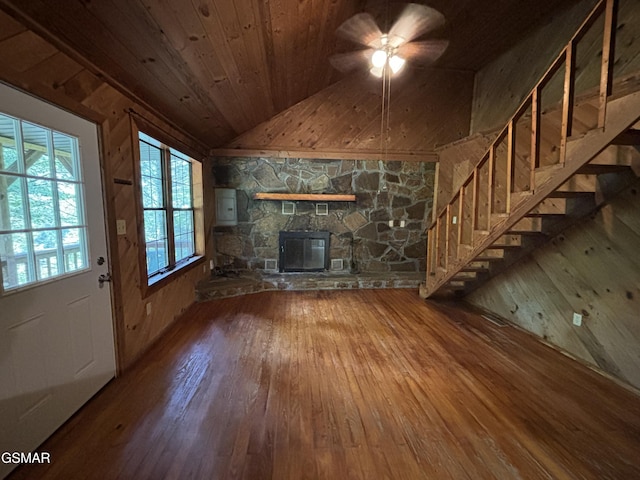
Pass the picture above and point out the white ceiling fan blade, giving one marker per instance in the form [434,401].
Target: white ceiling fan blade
[426,52]
[346,62]
[360,28]
[414,21]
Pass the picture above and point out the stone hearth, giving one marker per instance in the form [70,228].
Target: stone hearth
[253,282]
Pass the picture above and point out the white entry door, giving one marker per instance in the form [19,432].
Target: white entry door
[56,332]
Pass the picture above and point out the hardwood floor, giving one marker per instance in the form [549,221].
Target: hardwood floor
[364,384]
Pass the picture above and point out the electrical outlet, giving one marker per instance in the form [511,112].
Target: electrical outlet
[391,223]
[402,224]
[454,220]
[121,227]
[149,308]
[211,265]
[577,319]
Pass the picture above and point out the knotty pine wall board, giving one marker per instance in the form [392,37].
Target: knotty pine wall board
[574,270]
[502,85]
[36,66]
[456,161]
[428,108]
[592,269]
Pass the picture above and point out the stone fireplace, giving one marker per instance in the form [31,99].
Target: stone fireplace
[382,231]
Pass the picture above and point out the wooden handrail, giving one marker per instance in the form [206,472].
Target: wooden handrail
[566,59]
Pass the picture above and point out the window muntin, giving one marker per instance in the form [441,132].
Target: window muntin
[43,231]
[168,210]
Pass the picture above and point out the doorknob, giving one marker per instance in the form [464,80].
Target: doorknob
[105,277]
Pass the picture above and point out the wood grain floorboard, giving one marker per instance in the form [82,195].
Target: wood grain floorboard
[356,384]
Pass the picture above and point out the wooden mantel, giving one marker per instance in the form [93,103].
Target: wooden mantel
[314,197]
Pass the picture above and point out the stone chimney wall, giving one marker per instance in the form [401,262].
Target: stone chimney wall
[360,232]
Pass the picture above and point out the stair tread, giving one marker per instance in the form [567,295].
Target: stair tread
[488,259]
[501,246]
[598,169]
[564,194]
[533,214]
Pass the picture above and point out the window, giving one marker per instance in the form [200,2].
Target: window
[43,233]
[168,209]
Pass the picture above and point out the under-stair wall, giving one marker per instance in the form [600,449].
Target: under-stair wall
[592,269]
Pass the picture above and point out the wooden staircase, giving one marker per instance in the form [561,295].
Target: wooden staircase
[526,187]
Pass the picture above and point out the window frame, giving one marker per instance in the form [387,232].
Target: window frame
[150,284]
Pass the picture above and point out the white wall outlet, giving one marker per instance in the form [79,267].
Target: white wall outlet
[149,308]
[121,227]
[577,319]
[211,265]
[391,223]
[454,220]
[402,224]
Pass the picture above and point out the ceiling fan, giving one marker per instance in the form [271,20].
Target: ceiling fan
[387,53]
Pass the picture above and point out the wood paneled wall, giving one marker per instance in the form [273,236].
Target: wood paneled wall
[428,108]
[32,64]
[456,161]
[502,85]
[592,269]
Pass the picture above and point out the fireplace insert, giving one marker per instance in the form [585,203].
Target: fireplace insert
[304,251]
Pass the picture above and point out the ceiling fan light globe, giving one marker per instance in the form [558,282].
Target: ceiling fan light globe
[396,63]
[377,71]
[379,58]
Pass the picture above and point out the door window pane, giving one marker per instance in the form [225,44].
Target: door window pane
[35,141]
[41,203]
[45,248]
[68,198]
[8,152]
[41,196]
[12,207]
[74,247]
[16,260]
[64,148]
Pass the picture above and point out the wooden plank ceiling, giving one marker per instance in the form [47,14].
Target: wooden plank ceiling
[220,68]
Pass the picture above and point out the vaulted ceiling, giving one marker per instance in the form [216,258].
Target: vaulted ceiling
[219,68]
